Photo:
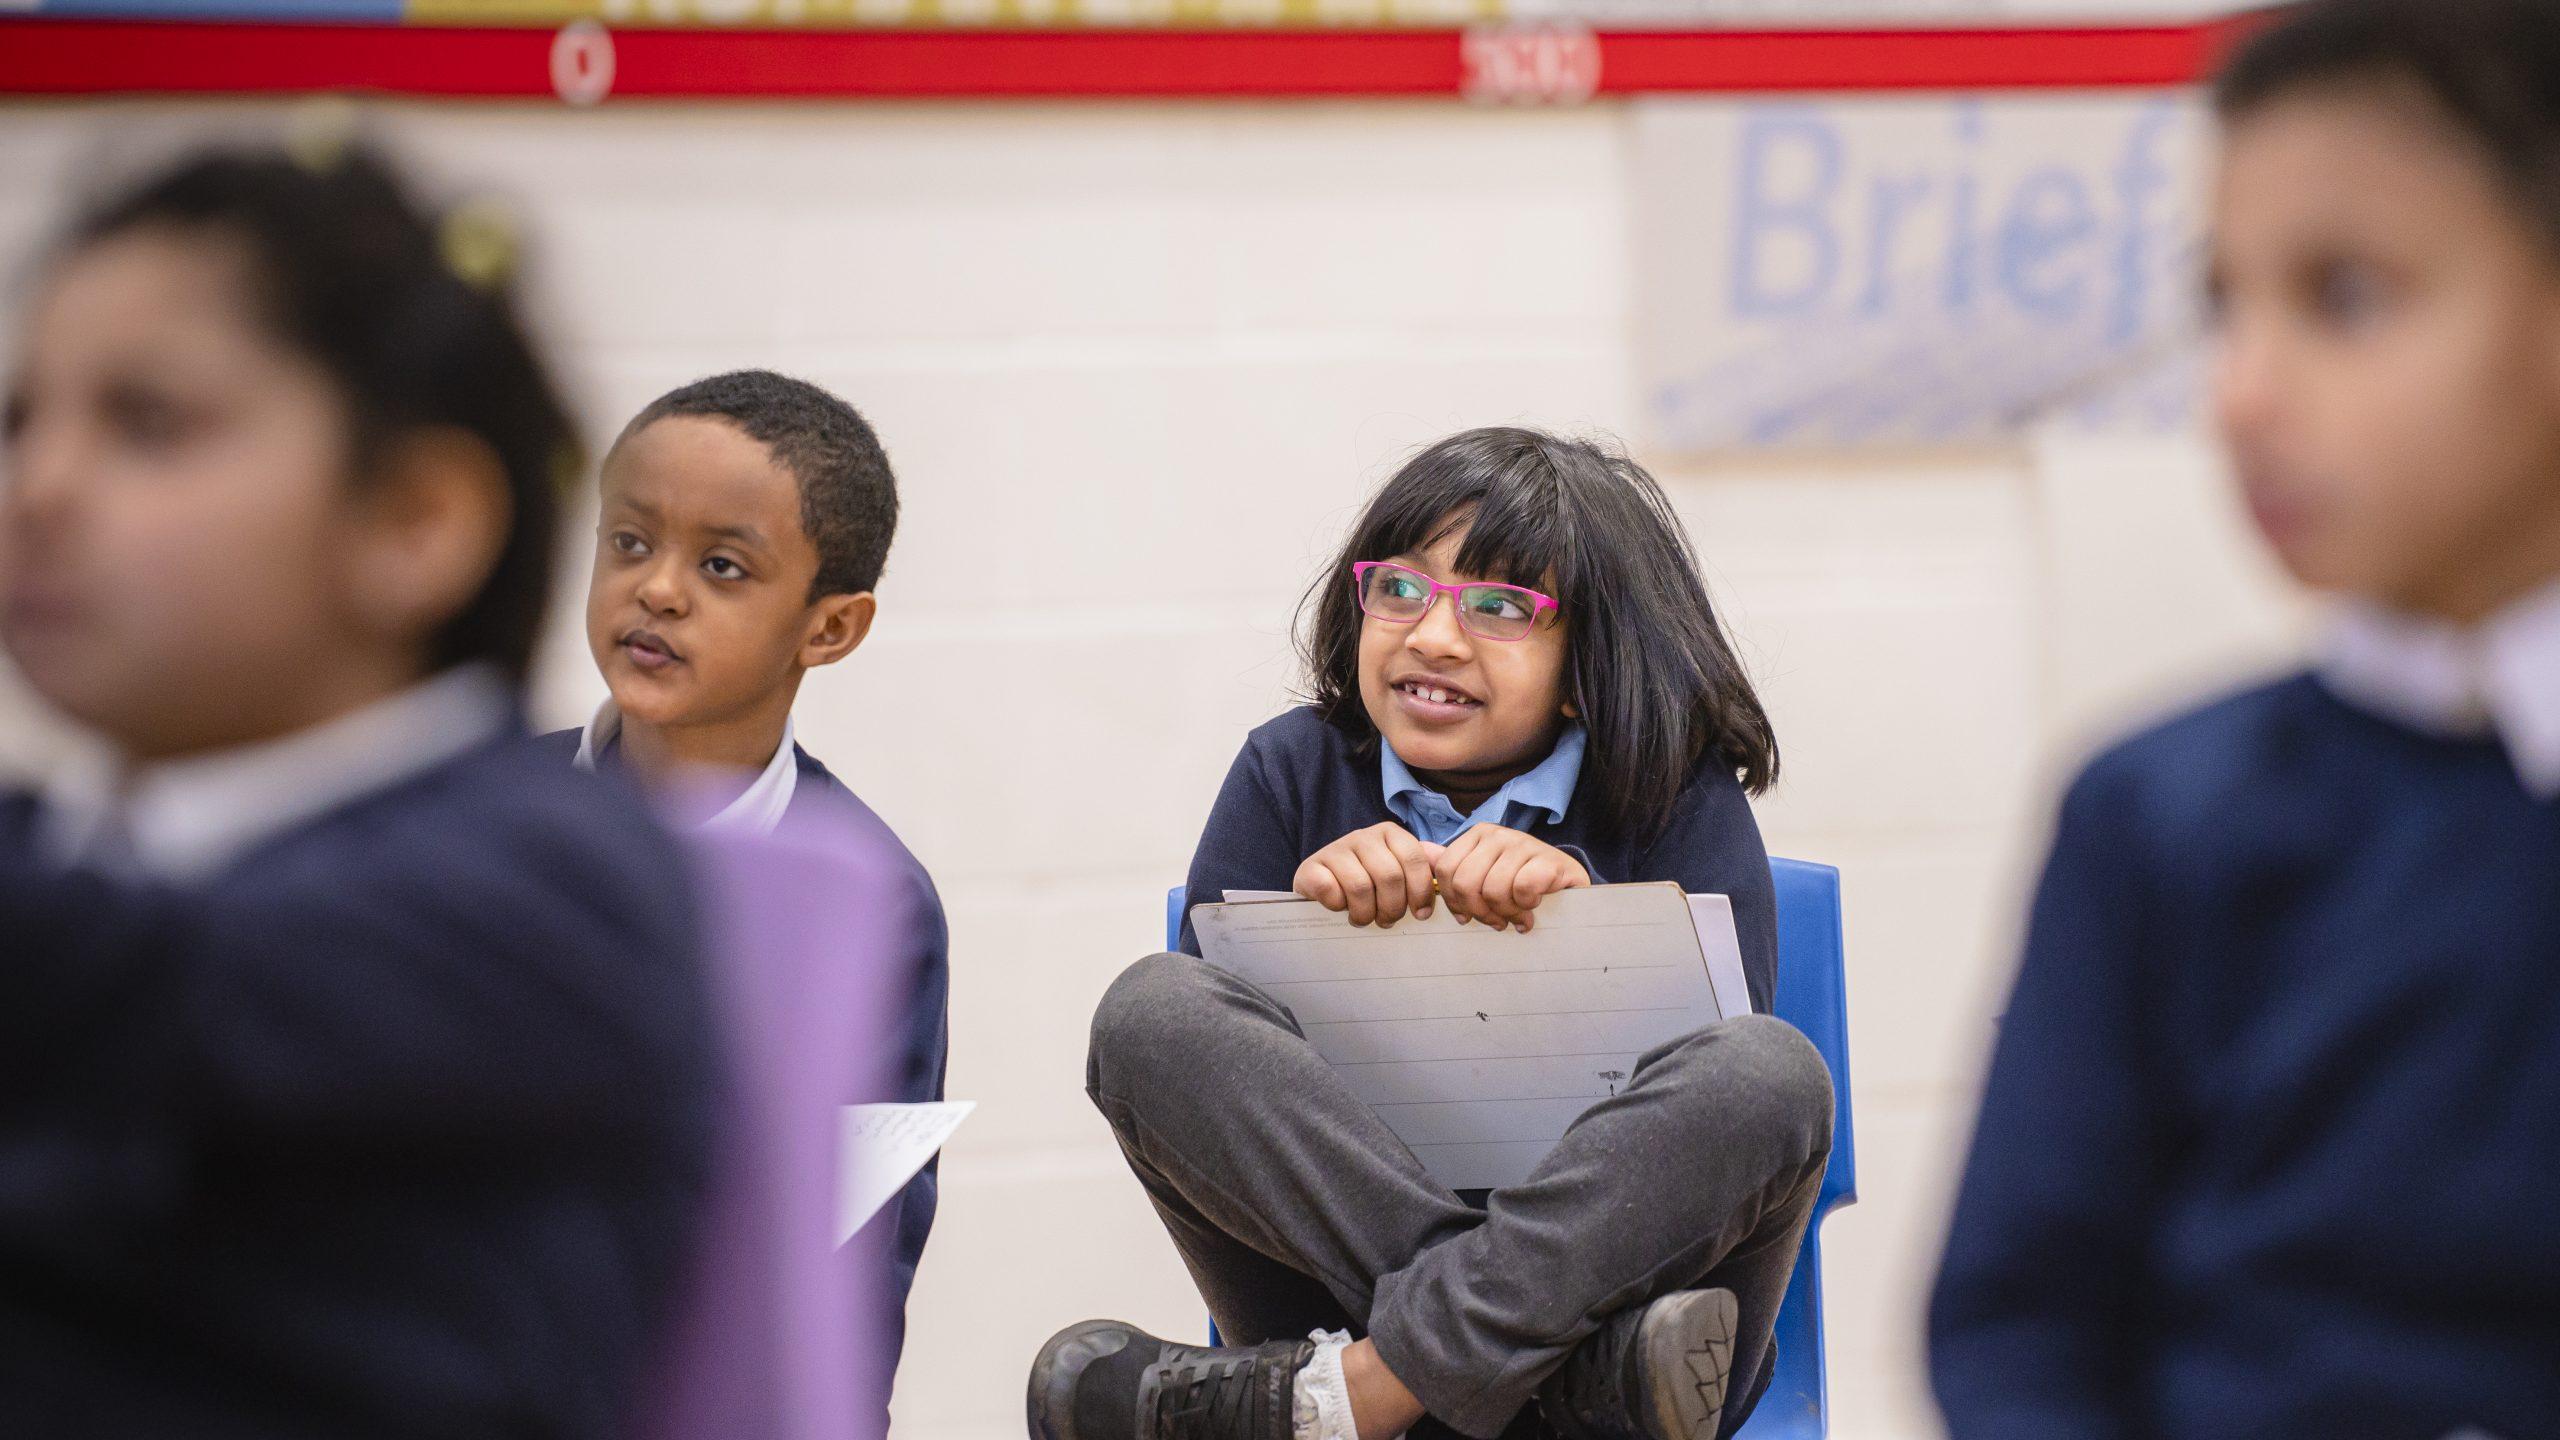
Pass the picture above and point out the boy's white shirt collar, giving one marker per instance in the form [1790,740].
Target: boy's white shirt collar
[2502,676]
[756,811]
[186,820]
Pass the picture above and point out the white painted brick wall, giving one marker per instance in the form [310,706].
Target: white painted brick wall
[1114,349]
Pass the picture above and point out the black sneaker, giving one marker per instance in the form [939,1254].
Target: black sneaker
[1657,1373]
[1103,1380]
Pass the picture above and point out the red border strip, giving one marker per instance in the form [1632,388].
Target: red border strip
[91,57]
[83,57]
[2046,59]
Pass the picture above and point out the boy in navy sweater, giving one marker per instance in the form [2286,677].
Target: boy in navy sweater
[2271,1144]
[745,520]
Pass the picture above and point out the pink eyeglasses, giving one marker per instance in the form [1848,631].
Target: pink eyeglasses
[1402,595]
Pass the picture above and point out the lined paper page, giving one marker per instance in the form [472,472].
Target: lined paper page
[1479,1047]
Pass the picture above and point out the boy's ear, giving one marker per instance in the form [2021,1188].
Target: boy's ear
[429,525]
[837,624]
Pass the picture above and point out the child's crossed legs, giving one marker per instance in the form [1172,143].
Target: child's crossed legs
[1296,1209]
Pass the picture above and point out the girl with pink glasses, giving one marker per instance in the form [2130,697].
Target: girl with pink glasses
[1517,687]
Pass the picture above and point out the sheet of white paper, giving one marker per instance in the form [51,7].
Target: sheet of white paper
[1479,1047]
[881,1147]
[1713,915]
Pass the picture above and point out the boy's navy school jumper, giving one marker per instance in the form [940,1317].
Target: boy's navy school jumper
[924,1032]
[2271,1144]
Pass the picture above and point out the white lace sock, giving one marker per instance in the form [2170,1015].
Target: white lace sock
[1320,1399]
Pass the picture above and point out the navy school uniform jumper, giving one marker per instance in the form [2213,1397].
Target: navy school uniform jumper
[397,1126]
[1302,784]
[924,1029]
[2271,1143]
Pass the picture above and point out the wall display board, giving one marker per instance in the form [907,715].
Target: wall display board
[1914,270]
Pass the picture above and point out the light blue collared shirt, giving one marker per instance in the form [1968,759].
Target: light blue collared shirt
[1429,815]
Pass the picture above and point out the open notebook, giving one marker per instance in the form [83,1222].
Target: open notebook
[1479,1047]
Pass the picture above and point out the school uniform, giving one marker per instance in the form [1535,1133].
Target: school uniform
[2271,1140]
[355,1083]
[792,776]
[1296,1209]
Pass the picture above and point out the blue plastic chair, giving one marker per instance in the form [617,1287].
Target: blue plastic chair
[1813,997]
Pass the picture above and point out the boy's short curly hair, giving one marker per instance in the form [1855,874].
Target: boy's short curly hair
[848,498]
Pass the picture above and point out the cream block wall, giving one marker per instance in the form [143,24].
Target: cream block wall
[1125,352]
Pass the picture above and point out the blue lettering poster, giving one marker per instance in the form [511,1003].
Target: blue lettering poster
[1914,271]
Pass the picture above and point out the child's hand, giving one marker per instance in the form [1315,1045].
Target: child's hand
[1499,875]
[1378,875]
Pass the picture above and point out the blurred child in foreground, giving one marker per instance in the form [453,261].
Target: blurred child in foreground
[354,1067]
[2271,1145]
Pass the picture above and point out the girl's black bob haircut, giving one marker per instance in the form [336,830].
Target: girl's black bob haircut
[2491,68]
[348,270]
[1657,684]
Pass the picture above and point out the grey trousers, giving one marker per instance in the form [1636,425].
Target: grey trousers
[1296,1208]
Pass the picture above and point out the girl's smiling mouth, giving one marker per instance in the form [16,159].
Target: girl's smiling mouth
[1433,701]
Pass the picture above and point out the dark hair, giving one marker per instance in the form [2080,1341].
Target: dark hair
[2491,67]
[1658,687]
[347,269]
[848,498]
